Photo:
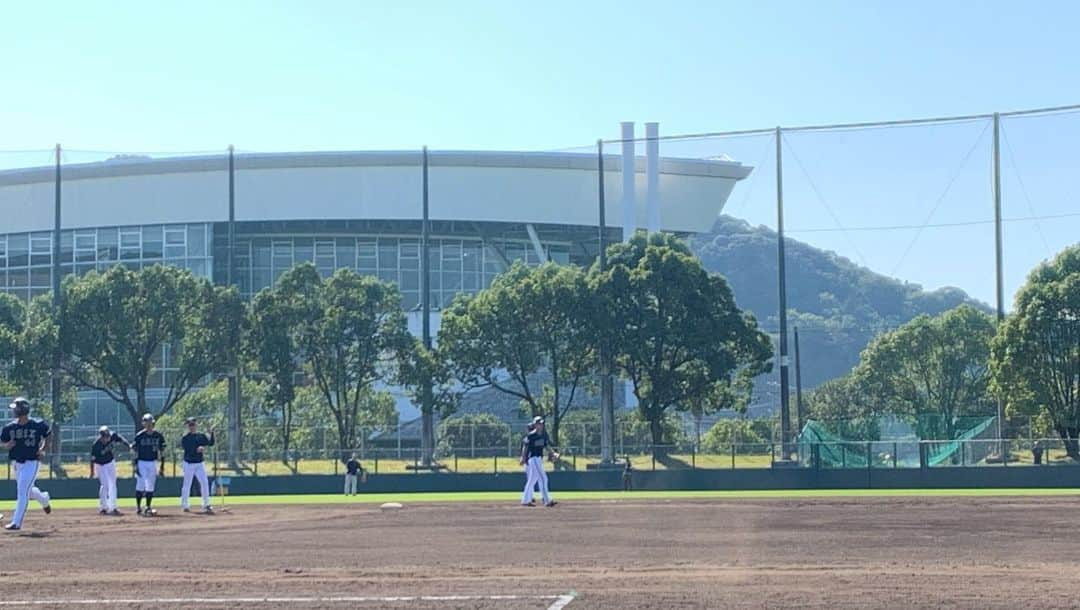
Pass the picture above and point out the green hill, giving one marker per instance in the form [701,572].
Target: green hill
[837,305]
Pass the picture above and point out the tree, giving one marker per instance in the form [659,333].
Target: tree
[116,328]
[674,329]
[429,381]
[1036,355]
[12,322]
[277,315]
[35,358]
[210,404]
[354,338]
[933,370]
[842,408]
[531,320]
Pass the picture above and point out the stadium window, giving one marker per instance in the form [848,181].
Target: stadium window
[282,253]
[41,277]
[107,250]
[151,242]
[175,242]
[260,252]
[19,278]
[346,253]
[67,247]
[85,246]
[18,247]
[3,252]
[41,249]
[325,259]
[196,240]
[303,250]
[367,259]
[130,244]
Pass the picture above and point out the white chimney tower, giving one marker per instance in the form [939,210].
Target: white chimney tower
[652,177]
[629,202]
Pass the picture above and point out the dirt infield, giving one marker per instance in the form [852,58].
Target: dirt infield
[882,552]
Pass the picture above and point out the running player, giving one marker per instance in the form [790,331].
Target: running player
[195,444]
[25,439]
[533,447]
[150,449]
[103,465]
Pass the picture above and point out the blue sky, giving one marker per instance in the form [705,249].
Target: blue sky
[557,75]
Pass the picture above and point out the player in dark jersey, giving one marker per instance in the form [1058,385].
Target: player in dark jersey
[149,451]
[353,472]
[195,444]
[25,439]
[103,465]
[533,447]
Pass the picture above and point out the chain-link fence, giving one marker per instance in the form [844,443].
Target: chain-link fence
[883,222]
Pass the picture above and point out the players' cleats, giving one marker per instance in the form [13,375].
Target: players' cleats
[11,527]
[103,512]
[47,507]
[208,510]
[115,512]
[550,504]
[187,510]
[149,512]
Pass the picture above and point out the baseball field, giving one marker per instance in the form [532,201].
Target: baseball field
[824,549]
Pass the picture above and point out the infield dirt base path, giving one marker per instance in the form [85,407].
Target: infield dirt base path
[881,552]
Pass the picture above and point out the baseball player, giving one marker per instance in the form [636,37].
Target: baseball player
[195,444]
[353,472]
[149,451]
[103,465]
[533,447]
[25,439]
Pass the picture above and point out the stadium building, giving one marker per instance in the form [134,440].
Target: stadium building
[360,210]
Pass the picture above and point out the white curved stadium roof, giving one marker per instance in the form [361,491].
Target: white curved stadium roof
[543,188]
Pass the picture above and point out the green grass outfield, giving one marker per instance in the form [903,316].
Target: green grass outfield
[569,496]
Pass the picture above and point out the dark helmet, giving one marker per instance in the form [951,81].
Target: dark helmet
[20,407]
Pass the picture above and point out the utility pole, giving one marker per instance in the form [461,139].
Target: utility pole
[427,417]
[235,393]
[785,407]
[54,375]
[607,389]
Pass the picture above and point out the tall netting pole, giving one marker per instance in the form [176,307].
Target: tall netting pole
[607,389]
[998,269]
[785,407]
[54,376]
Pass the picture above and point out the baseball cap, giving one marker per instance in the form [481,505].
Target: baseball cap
[103,430]
[538,420]
[189,420]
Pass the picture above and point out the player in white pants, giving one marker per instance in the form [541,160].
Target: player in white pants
[150,452]
[25,440]
[195,444]
[533,448]
[103,466]
[353,473]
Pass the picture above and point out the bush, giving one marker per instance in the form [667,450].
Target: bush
[727,432]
